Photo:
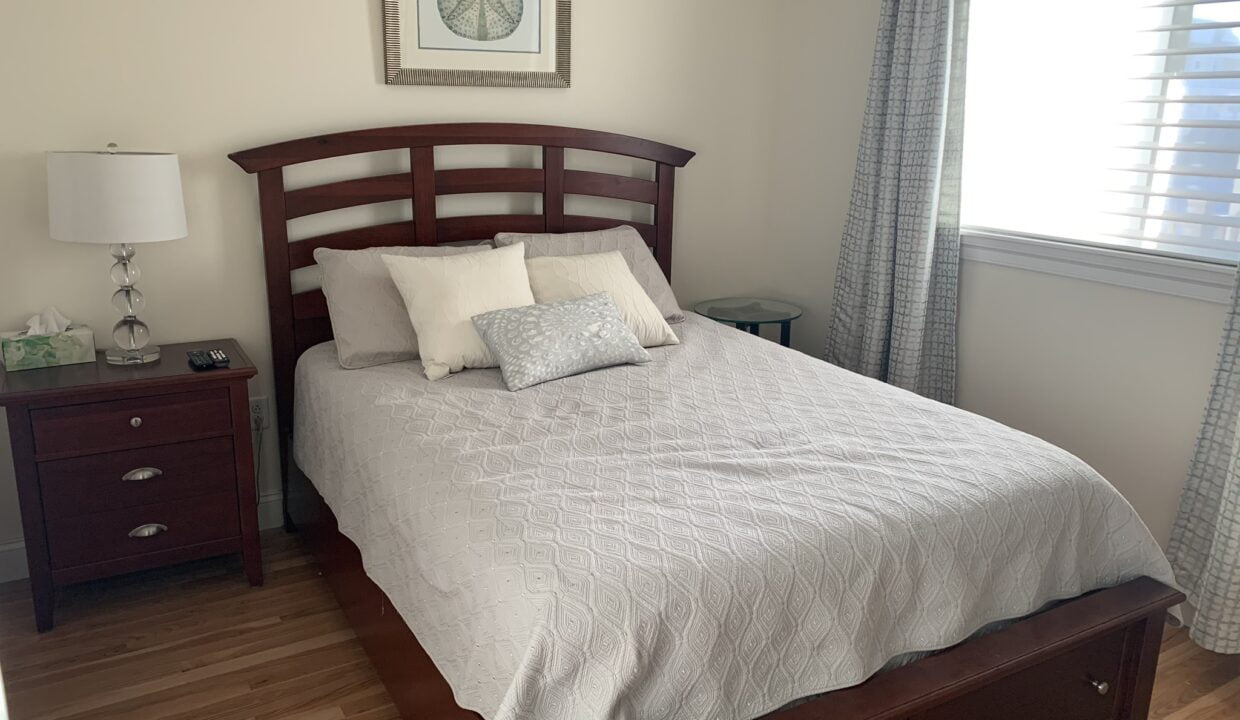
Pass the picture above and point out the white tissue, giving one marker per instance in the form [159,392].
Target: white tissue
[48,322]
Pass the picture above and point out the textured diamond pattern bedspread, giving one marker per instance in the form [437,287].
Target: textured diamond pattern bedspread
[712,535]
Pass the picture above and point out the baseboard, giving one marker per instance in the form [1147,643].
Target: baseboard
[13,554]
[270,511]
[12,560]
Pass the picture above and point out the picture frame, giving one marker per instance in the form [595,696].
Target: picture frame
[478,43]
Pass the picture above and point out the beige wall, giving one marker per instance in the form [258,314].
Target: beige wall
[206,78]
[821,85]
[1117,376]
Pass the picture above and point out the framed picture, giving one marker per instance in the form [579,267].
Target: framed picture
[499,43]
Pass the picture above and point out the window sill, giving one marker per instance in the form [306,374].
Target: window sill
[1194,279]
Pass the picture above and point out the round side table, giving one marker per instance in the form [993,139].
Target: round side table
[747,313]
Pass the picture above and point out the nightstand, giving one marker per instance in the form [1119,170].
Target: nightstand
[748,313]
[123,468]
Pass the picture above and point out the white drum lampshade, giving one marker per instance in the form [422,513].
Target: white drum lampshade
[115,198]
[118,199]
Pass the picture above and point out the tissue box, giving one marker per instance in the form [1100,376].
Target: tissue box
[22,352]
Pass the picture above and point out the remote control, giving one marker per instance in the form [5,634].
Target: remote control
[214,359]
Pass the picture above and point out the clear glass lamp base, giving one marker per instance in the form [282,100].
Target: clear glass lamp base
[130,334]
[121,356]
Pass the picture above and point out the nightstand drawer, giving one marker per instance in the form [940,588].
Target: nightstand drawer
[143,529]
[95,483]
[135,422]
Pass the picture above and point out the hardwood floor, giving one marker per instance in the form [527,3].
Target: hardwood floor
[195,642]
[1193,683]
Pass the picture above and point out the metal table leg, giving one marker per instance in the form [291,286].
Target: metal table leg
[785,333]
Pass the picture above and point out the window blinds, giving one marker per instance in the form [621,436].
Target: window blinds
[1177,180]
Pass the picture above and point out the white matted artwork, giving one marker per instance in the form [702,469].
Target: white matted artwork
[480,25]
[514,43]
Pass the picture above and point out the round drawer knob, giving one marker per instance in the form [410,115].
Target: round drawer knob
[135,422]
[1102,687]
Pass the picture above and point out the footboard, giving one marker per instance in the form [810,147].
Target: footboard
[1091,658]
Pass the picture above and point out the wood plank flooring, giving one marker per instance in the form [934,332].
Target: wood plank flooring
[195,642]
[1194,683]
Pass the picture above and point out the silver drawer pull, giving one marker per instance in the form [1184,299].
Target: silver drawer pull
[135,422]
[1102,687]
[142,473]
[148,530]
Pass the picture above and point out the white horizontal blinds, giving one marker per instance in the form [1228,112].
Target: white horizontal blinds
[1176,182]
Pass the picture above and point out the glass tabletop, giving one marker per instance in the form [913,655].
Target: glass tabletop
[748,310]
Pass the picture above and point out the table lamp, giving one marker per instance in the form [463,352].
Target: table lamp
[119,199]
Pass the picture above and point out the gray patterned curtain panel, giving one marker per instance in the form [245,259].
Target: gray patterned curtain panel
[894,314]
[1205,542]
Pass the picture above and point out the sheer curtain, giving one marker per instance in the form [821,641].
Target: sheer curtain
[1205,542]
[894,313]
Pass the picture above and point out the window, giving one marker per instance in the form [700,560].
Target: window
[1106,122]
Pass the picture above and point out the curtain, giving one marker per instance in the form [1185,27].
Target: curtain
[894,313]
[1205,541]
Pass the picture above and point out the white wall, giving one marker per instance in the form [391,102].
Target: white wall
[206,78]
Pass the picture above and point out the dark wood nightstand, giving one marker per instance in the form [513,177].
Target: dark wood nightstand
[123,468]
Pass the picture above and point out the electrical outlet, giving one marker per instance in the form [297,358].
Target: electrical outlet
[260,413]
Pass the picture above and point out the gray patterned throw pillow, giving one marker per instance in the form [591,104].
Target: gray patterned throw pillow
[537,343]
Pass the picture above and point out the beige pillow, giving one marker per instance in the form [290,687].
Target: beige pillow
[625,239]
[442,294]
[368,315]
[568,277]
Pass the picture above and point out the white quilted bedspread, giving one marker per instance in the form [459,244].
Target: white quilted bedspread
[713,535]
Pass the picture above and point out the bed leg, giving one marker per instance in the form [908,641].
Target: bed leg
[289,525]
[285,469]
[1141,660]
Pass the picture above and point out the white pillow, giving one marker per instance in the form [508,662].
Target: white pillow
[569,277]
[442,294]
[623,238]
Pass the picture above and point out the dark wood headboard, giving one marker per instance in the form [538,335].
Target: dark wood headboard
[299,321]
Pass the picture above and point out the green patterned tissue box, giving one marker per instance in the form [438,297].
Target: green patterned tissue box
[22,352]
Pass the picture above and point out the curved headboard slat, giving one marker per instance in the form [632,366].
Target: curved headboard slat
[410,136]
[300,321]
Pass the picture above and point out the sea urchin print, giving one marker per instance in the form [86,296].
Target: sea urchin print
[482,19]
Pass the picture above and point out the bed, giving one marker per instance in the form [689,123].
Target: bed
[730,531]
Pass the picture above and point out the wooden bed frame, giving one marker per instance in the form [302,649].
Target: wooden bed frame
[1091,658]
